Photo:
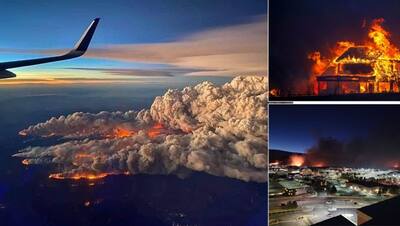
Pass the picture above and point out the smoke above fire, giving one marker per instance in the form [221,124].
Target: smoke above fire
[380,148]
[220,130]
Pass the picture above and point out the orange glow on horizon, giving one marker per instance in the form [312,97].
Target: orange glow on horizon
[318,164]
[85,176]
[296,160]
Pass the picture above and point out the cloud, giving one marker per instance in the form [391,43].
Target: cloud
[232,50]
[220,130]
[225,51]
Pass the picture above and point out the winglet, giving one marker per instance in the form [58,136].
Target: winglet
[83,43]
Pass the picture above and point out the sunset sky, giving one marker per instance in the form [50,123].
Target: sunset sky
[135,40]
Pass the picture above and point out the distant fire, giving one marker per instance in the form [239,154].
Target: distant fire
[83,176]
[296,160]
[78,176]
[121,132]
[156,130]
[152,132]
[318,164]
[372,67]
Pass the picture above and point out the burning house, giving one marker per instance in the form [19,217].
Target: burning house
[355,71]
[369,68]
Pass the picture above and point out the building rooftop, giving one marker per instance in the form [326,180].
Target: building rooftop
[291,184]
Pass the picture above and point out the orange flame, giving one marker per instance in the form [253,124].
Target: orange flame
[78,176]
[318,164]
[85,176]
[156,130]
[381,40]
[25,162]
[296,160]
[121,133]
[383,52]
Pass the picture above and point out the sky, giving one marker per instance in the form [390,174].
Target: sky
[298,28]
[136,39]
[296,128]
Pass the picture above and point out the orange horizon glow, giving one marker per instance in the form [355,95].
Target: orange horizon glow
[318,164]
[121,133]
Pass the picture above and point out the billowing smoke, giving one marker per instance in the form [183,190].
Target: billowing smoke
[220,130]
[380,148]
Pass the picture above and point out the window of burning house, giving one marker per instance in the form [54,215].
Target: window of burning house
[356,69]
[384,87]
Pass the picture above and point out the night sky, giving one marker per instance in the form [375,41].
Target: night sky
[297,128]
[300,27]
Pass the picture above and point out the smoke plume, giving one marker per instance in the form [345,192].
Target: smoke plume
[220,130]
[380,148]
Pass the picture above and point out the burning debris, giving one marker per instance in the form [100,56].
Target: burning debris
[372,67]
[221,130]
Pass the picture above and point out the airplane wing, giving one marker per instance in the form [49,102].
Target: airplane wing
[79,49]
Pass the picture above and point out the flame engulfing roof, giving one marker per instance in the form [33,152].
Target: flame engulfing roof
[359,52]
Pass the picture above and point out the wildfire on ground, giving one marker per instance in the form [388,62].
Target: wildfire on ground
[368,67]
[25,162]
[156,130]
[78,176]
[296,160]
[194,134]
[121,132]
[302,160]
[318,164]
[152,132]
